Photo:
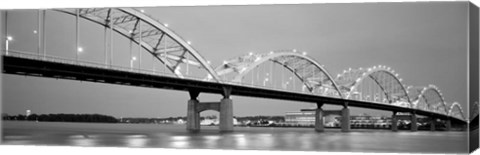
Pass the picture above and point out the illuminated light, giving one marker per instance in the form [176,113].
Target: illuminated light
[143,11]
[134,58]
[271,52]
[257,59]
[304,53]
[374,67]
[9,38]
[250,53]
[166,25]
[188,42]
[396,74]
[224,62]
[80,49]
[35,31]
[130,31]
[208,62]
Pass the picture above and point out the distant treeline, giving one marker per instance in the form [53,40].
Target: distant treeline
[151,120]
[62,118]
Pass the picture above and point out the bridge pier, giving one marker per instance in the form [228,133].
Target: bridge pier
[225,107]
[319,118]
[226,115]
[413,123]
[394,121]
[345,118]
[448,125]
[193,115]
[226,111]
[432,123]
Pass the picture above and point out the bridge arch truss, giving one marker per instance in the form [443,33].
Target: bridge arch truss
[154,37]
[312,75]
[384,77]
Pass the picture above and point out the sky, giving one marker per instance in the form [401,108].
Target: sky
[424,42]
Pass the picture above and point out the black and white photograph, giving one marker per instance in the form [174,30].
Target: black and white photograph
[372,77]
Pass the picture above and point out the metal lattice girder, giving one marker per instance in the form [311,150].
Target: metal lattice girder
[430,94]
[169,48]
[457,106]
[383,76]
[309,71]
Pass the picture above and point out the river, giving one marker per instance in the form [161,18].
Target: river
[245,138]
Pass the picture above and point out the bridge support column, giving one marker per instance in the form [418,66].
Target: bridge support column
[345,119]
[394,121]
[193,115]
[448,125]
[319,118]
[413,122]
[226,115]
[226,111]
[432,123]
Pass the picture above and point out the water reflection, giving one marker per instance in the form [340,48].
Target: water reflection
[300,139]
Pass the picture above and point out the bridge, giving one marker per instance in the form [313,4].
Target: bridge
[164,60]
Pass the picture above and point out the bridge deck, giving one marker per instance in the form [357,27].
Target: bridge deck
[32,67]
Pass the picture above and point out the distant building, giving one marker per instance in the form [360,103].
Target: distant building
[215,121]
[209,121]
[300,118]
[307,118]
[180,121]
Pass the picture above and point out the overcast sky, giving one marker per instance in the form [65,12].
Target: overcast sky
[424,42]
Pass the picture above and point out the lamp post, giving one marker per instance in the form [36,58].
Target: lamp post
[79,51]
[266,80]
[9,38]
[131,63]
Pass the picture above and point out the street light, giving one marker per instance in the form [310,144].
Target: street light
[79,49]
[9,38]
[131,62]
[266,80]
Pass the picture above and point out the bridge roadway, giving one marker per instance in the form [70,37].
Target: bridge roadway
[34,67]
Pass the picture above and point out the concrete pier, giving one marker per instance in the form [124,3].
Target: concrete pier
[448,124]
[345,119]
[432,124]
[226,115]
[413,124]
[394,122]
[319,118]
[193,116]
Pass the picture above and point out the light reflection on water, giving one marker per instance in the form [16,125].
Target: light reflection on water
[172,136]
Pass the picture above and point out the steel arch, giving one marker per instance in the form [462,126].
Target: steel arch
[132,23]
[297,63]
[429,94]
[455,104]
[351,79]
